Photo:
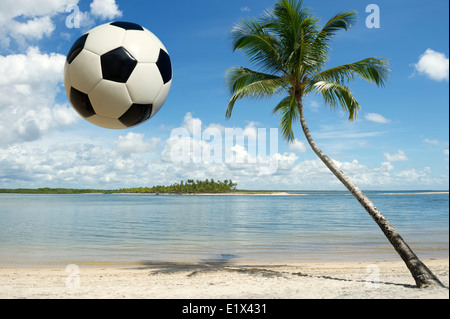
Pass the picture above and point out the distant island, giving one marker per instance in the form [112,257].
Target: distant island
[188,187]
[194,187]
[48,190]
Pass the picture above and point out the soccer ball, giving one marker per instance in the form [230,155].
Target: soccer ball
[117,75]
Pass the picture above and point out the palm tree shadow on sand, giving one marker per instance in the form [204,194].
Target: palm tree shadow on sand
[223,263]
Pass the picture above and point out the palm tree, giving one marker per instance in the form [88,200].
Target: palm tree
[291,51]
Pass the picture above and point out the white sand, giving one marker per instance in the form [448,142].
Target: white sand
[379,280]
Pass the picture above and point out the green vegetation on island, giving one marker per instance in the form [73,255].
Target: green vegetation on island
[48,190]
[188,187]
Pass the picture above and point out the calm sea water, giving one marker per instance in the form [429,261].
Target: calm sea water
[316,226]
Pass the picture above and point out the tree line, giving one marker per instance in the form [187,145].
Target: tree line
[48,190]
[188,187]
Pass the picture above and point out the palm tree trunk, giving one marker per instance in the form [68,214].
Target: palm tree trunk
[421,274]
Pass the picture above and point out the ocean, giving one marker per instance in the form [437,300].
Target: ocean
[121,229]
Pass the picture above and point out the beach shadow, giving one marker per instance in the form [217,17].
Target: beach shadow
[354,280]
[222,263]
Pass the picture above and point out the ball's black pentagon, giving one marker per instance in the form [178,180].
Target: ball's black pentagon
[117,65]
[137,113]
[127,25]
[76,48]
[81,103]
[164,66]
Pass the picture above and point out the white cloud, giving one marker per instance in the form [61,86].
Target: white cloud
[135,143]
[433,64]
[298,146]
[99,166]
[245,9]
[26,8]
[192,124]
[35,19]
[195,143]
[34,28]
[23,21]
[133,160]
[412,175]
[386,167]
[446,152]
[400,156]
[435,142]
[105,9]
[377,118]
[432,142]
[28,105]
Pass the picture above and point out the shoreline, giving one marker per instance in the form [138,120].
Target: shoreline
[275,193]
[260,193]
[303,280]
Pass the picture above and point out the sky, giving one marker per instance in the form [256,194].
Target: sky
[399,140]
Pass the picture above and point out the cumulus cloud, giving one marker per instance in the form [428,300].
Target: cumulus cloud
[105,9]
[400,156]
[28,105]
[376,118]
[434,65]
[35,19]
[298,146]
[34,28]
[249,149]
[134,143]
[101,166]
[133,160]
[25,22]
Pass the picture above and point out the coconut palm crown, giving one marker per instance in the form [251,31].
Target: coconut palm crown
[291,52]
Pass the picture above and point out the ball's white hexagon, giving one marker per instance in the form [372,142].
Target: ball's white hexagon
[106,122]
[85,71]
[141,45]
[104,39]
[67,83]
[110,99]
[145,83]
[161,98]
[155,39]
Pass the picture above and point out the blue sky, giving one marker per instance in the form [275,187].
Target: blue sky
[399,140]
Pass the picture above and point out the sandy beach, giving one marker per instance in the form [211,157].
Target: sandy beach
[351,280]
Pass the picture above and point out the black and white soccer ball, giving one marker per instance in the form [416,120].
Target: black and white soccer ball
[117,75]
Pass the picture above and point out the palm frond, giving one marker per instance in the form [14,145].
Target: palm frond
[318,49]
[341,21]
[373,70]
[252,37]
[246,83]
[289,114]
[295,28]
[291,50]
[335,94]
